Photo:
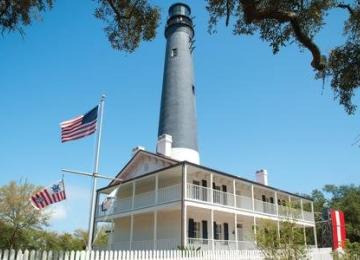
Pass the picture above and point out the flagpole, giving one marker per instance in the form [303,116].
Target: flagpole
[95,172]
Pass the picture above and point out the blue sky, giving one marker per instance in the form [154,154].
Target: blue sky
[255,110]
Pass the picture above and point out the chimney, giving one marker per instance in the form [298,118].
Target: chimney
[136,149]
[164,145]
[262,177]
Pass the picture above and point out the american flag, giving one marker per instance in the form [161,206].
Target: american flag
[80,126]
[49,195]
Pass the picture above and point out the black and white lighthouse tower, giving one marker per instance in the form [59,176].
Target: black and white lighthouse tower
[177,125]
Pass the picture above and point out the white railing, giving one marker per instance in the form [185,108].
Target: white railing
[123,245]
[296,213]
[246,245]
[265,207]
[223,198]
[224,244]
[122,205]
[283,211]
[308,216]
[169,193]
[314,254]
[196,192]
[203,244]
[167,243]
[144,199]
[243,202]
[142,245]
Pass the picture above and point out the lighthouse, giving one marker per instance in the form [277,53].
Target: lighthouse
[177,134]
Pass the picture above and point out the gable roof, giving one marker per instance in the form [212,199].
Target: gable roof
[173,163]
[136,159]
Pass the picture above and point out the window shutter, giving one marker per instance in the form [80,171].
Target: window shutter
[226,231]
[191,233]
[215,231]
[204,183]
[204,229]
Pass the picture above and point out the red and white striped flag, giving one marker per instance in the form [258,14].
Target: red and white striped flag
[49,195]
[338,229]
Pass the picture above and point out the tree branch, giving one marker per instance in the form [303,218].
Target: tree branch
[6,6]
[227,12]
[345,6]
[116,11]
[252,14]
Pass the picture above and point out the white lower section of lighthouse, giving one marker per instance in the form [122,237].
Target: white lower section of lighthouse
[185,154]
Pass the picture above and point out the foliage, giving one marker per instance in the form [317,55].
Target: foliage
[100,239]
[16,212]
[345,198]
[277,22]
[15,14]
[287,244]
[128,22]
[352,251]
[282,22]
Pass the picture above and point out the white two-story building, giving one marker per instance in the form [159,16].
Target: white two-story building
[163,203]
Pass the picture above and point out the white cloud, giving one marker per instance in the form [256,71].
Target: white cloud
[58,212]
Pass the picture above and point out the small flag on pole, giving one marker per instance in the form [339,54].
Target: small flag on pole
[49,195]
[80,126]
[107,203]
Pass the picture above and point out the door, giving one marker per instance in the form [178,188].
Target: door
[240,232]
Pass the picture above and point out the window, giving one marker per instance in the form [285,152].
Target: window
[174,52]
[197,233]
[217,231]
[193,89]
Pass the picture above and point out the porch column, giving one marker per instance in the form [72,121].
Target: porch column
[155,229]
[234,192]
[255,230]
[252,197]
[236,233]
[156,188]
[210,187]
[315,235]
[212,229]
[184,207]
[133,194]
[305,242]
[131,230]
[302,209]
[276,204]
[109,243]
[290,208]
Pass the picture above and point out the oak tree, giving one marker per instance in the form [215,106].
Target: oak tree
[278,22]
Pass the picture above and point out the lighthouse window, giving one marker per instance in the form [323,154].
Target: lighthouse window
[193,89]
[174,52]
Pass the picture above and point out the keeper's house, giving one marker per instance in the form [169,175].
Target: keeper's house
[167,199]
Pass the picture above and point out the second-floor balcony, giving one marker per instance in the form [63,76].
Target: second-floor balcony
[142,200]
[209,189]
[212,196]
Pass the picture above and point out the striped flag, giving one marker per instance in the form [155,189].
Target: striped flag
[80,126]
[49,195]
[338,229]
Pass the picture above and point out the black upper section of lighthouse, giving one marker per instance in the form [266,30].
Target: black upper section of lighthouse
[178,112]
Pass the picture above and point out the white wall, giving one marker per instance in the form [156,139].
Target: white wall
[169,225]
